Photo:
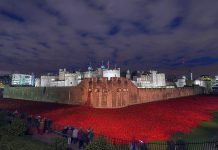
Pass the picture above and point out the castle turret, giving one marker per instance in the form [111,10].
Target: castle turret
[128,74]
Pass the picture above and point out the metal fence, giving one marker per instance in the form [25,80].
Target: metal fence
[170,145]
[211,145]
[120,144]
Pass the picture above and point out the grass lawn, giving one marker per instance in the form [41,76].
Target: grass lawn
[21,143]
[206,131]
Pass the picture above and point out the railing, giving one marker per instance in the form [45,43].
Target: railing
[171,145]
[212,145]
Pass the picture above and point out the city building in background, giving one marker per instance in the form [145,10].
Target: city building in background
[5,79]
[1,85]
[22,80]
[200,83]
[141,79]
[215,84]
[204,81]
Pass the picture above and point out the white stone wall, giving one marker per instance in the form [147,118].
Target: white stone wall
[57,84]
[111,73]
[161,80]
[88,74]
[153,80]
[37,82]
[71,79]
[200,83]
[46,80]
[62,73]
[181,82]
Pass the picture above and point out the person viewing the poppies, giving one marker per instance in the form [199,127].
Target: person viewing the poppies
[171,145]
[90,134]
[41,126]
[180,144]
[80,138]
[69,134]
[64,131]
[85,138]
[75,135]
[133,145]
[142,145]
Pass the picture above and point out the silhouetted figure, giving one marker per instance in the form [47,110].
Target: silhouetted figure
[133,145]
[171,145]
[90,134]
[216,145]
[85,138]
[41,126]
[143,145]
[80,138]
[64,131]
[69,135]
[180,145]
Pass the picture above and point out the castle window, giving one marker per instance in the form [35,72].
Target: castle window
[119,90]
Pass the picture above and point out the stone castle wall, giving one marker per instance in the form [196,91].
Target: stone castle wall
[120,92]
[99,93]
[64,95]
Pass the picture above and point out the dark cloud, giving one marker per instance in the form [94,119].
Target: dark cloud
[114,30]
[42,36]
[203,61]
[12,16]
[176,22]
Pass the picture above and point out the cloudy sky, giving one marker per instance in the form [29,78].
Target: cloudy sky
[174,36]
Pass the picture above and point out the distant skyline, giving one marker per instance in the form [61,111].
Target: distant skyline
[172,36]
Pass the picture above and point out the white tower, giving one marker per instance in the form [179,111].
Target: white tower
[128,74]
[154,77]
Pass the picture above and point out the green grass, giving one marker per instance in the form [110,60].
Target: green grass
[12,142]
[206,131]
[21,143]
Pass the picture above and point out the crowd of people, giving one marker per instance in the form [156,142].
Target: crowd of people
[78,135]
[41,125]
[33,123]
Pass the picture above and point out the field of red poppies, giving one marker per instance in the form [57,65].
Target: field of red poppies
[148,122]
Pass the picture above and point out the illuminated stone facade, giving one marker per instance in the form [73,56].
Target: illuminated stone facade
[99,93]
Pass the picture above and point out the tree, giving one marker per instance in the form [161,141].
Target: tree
[100,144]
[189,83]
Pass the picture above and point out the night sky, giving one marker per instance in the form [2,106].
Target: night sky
[173,36]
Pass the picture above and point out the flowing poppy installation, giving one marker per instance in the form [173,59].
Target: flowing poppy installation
[147,122]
